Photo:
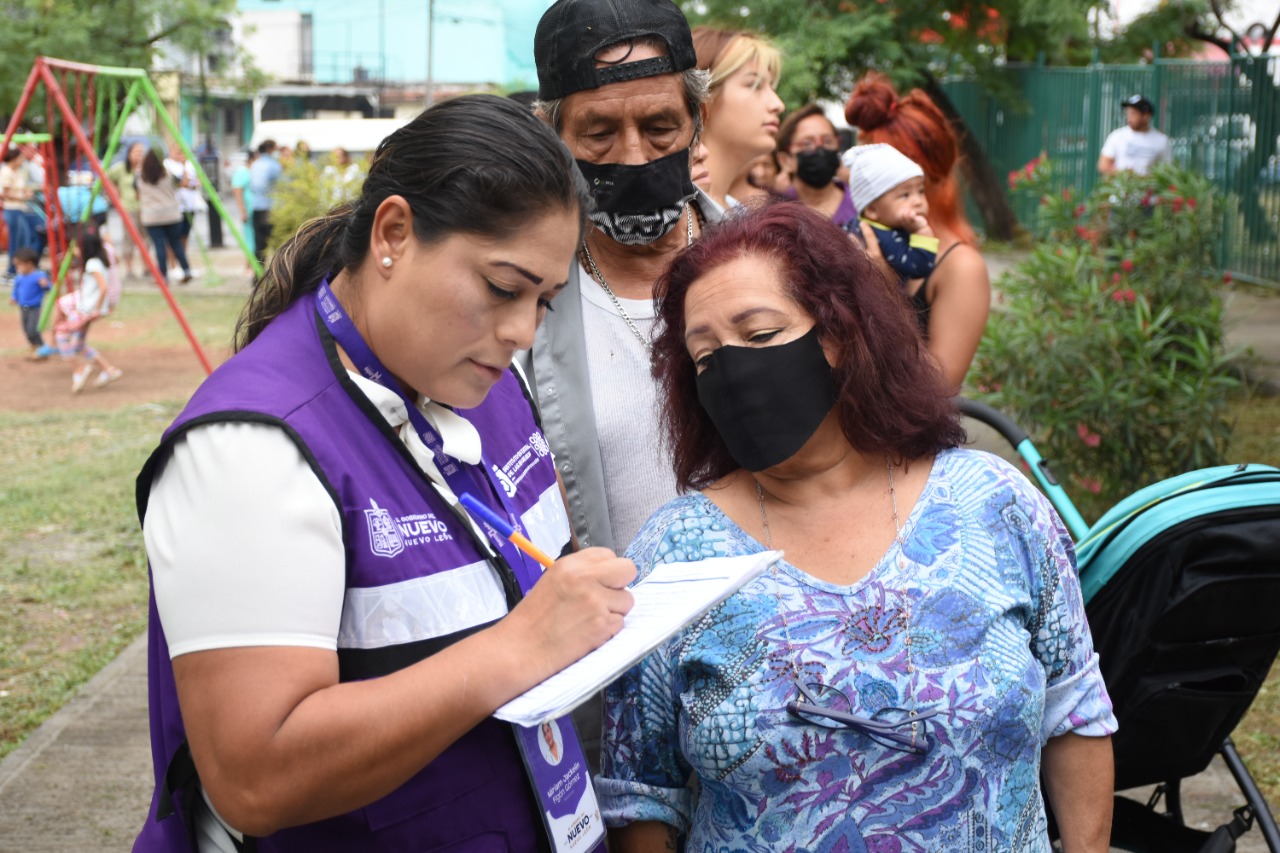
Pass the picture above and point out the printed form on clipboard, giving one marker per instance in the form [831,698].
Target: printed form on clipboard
[672,597]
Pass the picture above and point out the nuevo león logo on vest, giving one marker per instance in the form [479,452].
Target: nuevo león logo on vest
[389,536]
[384,538]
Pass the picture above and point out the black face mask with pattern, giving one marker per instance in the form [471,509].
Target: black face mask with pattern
[636,205]
[766,402]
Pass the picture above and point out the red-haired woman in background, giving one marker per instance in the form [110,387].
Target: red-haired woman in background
[953,301]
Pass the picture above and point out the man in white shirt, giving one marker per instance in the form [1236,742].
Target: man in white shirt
[1137,146]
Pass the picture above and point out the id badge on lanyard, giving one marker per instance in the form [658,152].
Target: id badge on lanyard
[552,753]
[557,769]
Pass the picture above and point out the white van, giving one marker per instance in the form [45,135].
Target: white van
[359,136]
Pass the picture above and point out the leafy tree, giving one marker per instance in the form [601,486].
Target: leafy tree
[918,43]
[106,32]
[1164,26]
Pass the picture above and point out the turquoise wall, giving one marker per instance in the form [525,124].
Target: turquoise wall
[474,41]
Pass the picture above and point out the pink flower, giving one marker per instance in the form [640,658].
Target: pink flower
[1130,296]
[1226,278]
[1116,278]
[1091,485]
[1191,203]
[1079,210]
[1090,438]
[1126,265]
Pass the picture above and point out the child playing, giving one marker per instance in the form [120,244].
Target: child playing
[888,189]
[29,287]
[77,311]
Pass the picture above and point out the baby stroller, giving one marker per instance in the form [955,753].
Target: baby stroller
[1181,583]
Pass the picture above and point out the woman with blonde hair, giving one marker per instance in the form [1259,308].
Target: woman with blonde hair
[744,112]
[952,302]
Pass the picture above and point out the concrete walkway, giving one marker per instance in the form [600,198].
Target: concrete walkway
[82,781]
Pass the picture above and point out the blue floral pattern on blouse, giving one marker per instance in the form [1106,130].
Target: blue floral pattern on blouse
[984,586]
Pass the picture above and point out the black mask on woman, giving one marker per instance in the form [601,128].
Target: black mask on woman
[818,167]
[766,402]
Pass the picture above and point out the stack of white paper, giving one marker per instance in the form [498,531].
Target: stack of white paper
[673,596]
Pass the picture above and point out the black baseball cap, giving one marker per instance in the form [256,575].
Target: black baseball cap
[1139,103]
[572,32]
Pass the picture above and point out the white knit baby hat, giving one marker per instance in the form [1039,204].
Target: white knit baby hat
[875,169]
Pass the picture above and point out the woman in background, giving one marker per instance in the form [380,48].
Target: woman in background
[162,214]
[809,157]
[952,303]
[743,114]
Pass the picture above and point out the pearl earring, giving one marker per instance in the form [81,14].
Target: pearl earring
[386,262]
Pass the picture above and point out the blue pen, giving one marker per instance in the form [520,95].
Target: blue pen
[501,525]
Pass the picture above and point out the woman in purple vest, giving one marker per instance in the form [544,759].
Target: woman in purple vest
[330,632]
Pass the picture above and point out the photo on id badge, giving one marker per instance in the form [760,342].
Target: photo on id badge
[550,743]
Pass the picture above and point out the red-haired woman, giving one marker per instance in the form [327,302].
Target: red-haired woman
[902,678]
[953,301]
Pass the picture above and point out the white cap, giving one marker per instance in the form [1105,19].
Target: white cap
[875,169]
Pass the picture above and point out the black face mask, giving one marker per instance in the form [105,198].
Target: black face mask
[817,167]
[766,402]
[636,205]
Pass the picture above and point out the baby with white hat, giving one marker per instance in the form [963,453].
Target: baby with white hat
[887,187]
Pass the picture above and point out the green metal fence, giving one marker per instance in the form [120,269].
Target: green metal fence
[1223,119]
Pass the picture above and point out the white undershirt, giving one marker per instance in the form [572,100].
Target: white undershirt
[638,477]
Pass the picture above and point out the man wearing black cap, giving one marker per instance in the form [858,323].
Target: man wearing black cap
[618,80]
[1137,146]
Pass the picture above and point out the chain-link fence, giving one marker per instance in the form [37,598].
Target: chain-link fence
[1222,118]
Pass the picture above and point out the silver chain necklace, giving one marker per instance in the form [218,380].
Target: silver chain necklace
[599,277]
[782,611]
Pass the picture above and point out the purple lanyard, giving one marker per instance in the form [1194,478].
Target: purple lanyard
[459,477]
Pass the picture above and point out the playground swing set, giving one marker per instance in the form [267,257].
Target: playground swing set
[102,96]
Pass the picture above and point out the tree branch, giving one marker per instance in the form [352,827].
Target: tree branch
[163,34]
[1193,30]
[1218,13]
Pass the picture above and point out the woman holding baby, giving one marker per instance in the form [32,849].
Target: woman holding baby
[952,300]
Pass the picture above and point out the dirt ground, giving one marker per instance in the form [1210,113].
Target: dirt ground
[150,373]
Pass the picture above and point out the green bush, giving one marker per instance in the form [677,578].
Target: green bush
[308,189]
[1106,343]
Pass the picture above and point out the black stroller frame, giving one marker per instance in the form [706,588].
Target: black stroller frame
[1181,583]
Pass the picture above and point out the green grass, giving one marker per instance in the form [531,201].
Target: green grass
[73,581]
[73,577]
[149,321]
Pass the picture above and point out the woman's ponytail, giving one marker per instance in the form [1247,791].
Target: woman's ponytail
[311,254]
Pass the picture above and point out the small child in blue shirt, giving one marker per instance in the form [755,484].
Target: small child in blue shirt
[887,187]
[29,287]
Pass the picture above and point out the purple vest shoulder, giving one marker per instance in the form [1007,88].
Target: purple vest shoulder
[405,552]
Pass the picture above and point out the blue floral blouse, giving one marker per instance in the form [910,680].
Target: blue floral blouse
[977,616]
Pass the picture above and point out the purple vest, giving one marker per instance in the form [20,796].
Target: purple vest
[403,545]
